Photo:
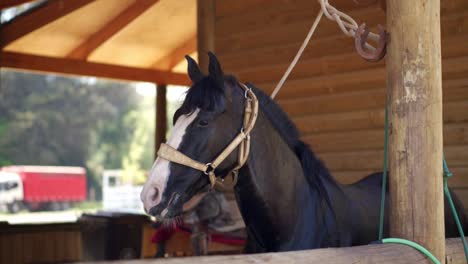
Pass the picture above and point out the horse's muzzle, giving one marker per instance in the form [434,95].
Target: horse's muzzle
[172,209]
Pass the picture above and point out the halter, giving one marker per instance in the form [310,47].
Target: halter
[242,140]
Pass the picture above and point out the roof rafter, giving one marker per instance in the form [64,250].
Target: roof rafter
[28,22]
[11,3]
[79,67]
[174,57]
[110,29]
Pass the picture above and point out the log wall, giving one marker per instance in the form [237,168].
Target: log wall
[50,243]
[336,98]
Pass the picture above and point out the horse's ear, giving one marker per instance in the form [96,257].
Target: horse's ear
[193,70]
[214,68]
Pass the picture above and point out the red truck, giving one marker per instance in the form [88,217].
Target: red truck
[41,187]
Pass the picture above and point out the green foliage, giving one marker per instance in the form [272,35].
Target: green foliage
[54,120]
[141,150]
[4,161]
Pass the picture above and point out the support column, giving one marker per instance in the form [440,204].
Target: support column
[161,117]
[415,101]
[205,31]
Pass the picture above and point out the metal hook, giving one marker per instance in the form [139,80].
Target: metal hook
[360,42]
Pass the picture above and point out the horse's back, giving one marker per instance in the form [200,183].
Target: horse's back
[374,180]
[370,188]
[364,197]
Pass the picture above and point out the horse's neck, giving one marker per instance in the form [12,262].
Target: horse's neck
[276,201]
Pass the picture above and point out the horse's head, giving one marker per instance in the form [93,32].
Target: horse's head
[208,120]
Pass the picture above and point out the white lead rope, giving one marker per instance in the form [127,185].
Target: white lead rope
[348,26]
[298,55]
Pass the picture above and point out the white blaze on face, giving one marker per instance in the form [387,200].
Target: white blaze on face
[159,174]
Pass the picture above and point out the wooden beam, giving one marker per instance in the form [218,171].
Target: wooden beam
[10,3]
[161,117]
[206,11]
[386,253]
[37,18]
[172,59]
[414,80]
[110,29]
[78,67]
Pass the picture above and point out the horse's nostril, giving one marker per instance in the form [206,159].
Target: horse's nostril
[155,195]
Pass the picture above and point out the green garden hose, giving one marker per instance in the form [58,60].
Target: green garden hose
[412,244]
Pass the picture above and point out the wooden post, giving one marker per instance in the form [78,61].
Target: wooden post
[161,117]
[415,98]
[205,31]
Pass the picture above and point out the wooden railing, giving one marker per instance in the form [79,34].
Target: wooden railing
[382,253]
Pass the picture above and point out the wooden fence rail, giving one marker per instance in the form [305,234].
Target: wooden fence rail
[386,253]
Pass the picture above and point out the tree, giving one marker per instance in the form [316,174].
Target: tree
[140,152]
[54,120]
[78,121]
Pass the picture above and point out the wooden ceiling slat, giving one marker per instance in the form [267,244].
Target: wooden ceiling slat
[110,29]
[171,60]
[37,18]
[11,3]
[79,67]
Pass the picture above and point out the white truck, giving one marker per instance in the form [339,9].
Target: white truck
[119,196]
[11,191]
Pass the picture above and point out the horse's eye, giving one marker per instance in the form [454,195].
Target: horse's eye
[203,123]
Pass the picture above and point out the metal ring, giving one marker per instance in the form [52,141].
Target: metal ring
[208,166]
[246,93]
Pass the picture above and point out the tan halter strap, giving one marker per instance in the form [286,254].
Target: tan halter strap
[171,154]
[242,140]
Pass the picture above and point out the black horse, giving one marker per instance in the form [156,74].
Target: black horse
[286,195]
